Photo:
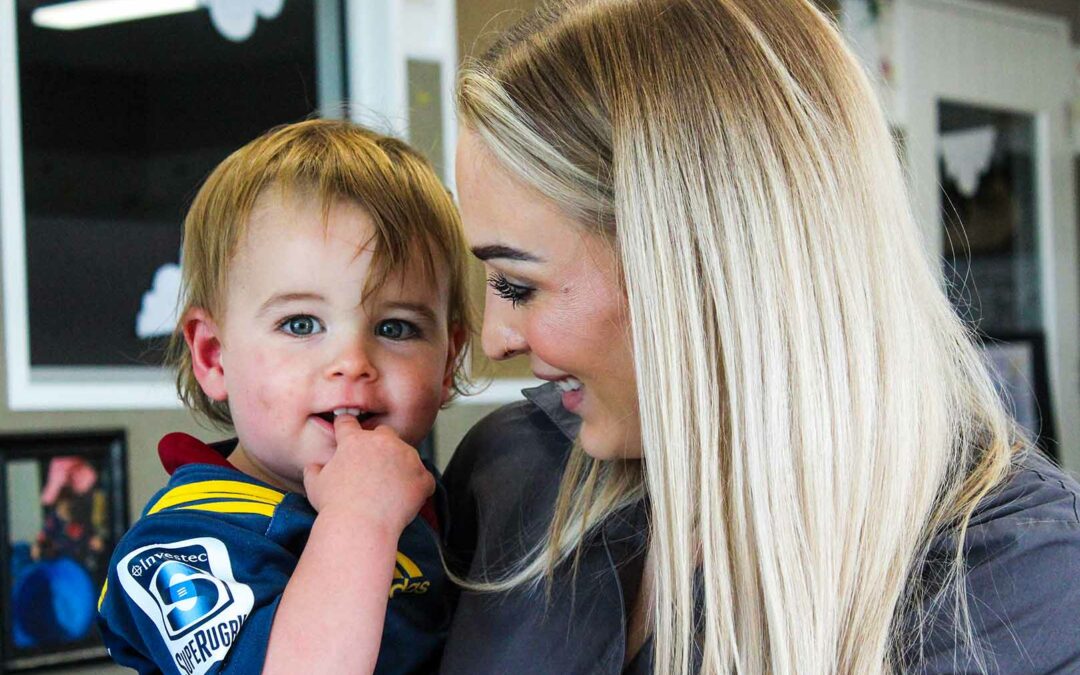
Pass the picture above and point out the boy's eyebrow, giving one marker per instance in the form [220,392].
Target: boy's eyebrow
[423,310]
[500,251]
[282,298]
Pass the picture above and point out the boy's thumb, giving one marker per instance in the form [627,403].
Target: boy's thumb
[345,423]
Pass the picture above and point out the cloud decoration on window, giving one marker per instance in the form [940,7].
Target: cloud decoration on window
[236,19]
[160,304]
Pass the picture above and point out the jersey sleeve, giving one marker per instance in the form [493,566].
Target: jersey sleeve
[194,592]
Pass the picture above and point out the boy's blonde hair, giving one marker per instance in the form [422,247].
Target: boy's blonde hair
[415,221]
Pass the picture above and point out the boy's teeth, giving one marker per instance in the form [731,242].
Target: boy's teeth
[568,384]
[347,411]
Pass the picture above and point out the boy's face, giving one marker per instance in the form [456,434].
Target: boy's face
[297,342]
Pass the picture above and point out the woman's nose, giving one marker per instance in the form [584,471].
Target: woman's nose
[352,361]
[501,337]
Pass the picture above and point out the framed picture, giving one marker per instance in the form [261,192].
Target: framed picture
[63,505]
[1018,364]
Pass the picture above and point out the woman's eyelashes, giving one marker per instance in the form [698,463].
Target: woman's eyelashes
[515,293]
[301,325]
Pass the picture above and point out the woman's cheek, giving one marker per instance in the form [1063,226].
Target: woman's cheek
[553,336]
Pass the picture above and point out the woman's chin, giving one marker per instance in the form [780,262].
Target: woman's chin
[608,443]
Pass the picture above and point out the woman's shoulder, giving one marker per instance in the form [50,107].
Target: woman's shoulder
[1036,507]
[503,478]
[1036,492]
[1022,563]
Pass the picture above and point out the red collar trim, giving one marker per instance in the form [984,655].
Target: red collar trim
[177,449]
[431,515]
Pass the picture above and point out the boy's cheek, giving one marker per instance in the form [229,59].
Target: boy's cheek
[262,380]
[426,410]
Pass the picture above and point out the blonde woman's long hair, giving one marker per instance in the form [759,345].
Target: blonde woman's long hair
[813,413]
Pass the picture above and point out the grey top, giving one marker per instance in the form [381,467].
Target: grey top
[1023,554]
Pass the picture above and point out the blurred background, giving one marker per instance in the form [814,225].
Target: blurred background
[112,112]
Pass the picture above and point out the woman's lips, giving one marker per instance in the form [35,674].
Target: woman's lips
[572,399]
[572,392]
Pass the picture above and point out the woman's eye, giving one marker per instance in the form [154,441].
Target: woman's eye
[515,293]
[301,325]
[396,329]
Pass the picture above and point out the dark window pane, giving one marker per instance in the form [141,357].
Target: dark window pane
[987,172]
[121,123]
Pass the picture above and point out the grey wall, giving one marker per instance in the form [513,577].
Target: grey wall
[1066,9]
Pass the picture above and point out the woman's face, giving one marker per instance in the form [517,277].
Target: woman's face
[553,295]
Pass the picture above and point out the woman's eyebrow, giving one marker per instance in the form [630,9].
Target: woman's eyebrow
[507,252]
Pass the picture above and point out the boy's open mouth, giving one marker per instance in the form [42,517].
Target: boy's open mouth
[360,415]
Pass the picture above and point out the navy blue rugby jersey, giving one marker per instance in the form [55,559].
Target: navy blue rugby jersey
[193,586]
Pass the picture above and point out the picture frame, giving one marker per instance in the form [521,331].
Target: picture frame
[1017,362]
[63,507]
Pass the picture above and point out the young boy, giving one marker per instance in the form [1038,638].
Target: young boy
[324,319]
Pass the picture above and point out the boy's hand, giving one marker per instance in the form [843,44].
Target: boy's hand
[372,474]
[330,620]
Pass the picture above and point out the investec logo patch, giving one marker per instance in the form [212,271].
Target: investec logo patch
[188,590]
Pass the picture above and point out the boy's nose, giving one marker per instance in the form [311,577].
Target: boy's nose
[353,362]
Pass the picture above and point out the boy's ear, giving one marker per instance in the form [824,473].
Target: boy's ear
[204,344]
[457,341]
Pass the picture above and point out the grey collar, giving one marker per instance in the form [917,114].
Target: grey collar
[548,398]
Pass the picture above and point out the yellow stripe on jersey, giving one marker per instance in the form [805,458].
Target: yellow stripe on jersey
[239,488]
[169,499]
[256,508]
[101,598]
[217,489]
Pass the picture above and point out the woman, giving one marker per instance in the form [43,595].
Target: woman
[787,454]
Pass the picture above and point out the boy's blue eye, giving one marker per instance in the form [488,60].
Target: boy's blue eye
[301,325]
[396,329]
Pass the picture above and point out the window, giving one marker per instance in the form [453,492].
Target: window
[107,131]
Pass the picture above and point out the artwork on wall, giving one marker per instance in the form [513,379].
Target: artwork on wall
[1018,365]
[63,505]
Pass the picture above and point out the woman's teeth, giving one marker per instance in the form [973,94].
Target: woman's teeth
[568,384]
